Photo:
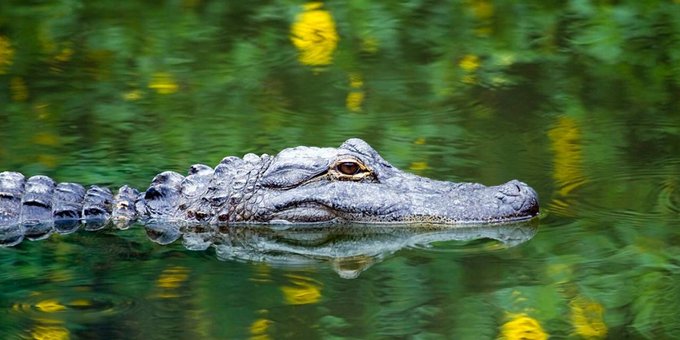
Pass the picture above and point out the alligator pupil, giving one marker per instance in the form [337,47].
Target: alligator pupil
[348,168]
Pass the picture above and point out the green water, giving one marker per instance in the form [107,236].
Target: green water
[579,99]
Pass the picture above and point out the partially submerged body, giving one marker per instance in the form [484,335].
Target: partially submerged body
[352,183]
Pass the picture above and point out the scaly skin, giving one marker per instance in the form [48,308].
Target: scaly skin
[351,183]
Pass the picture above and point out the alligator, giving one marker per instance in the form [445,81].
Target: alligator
[351,183]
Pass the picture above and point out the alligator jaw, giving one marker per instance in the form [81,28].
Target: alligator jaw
[402,199]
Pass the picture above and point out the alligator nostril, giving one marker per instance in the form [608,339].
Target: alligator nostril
[511,189]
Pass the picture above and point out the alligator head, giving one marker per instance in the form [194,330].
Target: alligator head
[354,183]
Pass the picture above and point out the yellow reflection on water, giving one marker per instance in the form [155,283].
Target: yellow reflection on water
[418,166]
[356,80]
[132,95]
[261,274]
[355,97]
[6,54]
[587,318]
[565,138]
[469,63]
[259,328]
[18,89]
[522,326]
[80,303]
[354,101]
[170,280]
[50,333]
[483,11]
[64,54]
[302,290]
[49,306]
[163,83]
[313,33]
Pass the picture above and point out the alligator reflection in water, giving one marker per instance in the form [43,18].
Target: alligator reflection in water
[349,249]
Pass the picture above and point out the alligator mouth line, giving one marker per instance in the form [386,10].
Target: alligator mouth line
[300,209]
[518,218]
[304,212]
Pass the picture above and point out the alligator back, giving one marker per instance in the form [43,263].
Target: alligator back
[40,202]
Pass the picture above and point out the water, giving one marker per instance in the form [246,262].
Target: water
[580,101]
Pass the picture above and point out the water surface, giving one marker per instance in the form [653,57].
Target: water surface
[579,100]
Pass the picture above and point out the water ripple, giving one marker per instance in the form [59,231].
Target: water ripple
[635,196]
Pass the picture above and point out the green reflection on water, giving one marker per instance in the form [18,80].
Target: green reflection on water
[577,99]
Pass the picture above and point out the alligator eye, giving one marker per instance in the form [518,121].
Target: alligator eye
[348,168]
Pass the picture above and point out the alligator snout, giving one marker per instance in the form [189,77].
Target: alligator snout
[517,199]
